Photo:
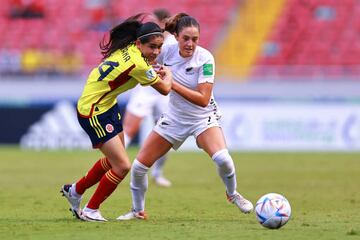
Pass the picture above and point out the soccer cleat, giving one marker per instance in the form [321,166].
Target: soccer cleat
[243,204]
[92,215]
[142,215]
[162,181]
[74,201]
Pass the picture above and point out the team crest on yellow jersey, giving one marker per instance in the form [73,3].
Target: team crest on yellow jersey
[150,74]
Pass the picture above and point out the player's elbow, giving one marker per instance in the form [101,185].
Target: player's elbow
[203,105]
[203,102]
[165,91]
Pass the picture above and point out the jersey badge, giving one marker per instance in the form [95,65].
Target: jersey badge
[109,128]
[189,71]
[150,74]
[208,69]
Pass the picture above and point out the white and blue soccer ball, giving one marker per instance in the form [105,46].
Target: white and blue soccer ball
[273,210]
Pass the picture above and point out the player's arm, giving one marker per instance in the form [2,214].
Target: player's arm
[201,96]
[163,86]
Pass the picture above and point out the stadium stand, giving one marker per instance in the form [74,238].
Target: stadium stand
[311,37]
[65,37]
[238,51]
[250,39]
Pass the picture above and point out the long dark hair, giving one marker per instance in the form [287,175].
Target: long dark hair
[180,21]
[127,32]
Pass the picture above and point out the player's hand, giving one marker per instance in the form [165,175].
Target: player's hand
[157,67]
[164,72]
[164,85]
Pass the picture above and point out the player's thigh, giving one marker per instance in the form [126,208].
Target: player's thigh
[211,140]
[122,138]
[154,147]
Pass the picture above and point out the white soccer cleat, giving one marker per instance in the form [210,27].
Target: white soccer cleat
[142,215]
[74,201]
[162,181]
[243,204]
[92,215]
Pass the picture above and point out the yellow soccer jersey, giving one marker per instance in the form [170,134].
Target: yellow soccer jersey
[123,70]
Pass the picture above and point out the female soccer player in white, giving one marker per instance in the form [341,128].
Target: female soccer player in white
[192,110]
[153,105]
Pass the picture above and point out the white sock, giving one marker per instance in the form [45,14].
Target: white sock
[138,185]
[86,209]
[158,166]
[226,170]
[73,191]
[127,140]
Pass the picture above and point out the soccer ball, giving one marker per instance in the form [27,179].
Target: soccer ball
[273,210]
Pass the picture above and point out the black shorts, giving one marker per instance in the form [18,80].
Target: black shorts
[102,127]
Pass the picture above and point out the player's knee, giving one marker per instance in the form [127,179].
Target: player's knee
[144,159]
[122,167]
[223,159]
[126,167]
[138,168]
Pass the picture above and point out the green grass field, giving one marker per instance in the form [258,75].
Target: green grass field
[323,190]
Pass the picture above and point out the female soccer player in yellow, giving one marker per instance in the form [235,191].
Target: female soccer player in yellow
[127,58]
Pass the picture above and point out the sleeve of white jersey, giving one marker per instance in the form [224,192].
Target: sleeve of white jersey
[207,70]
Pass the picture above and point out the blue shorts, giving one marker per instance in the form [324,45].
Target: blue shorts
[102,127]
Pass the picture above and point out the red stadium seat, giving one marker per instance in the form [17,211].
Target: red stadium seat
[68,22]
[316,33]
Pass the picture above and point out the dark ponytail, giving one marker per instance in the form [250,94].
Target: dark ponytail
[121,35]
[127,32]
[180,21]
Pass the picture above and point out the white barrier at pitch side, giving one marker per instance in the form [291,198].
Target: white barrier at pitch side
[286,126]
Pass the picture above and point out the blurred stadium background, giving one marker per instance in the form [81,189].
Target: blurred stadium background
[287,70]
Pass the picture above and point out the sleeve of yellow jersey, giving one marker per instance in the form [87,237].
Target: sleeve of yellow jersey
[144,74]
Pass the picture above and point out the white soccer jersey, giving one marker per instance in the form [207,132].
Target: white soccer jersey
[190,72]
[146,101]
